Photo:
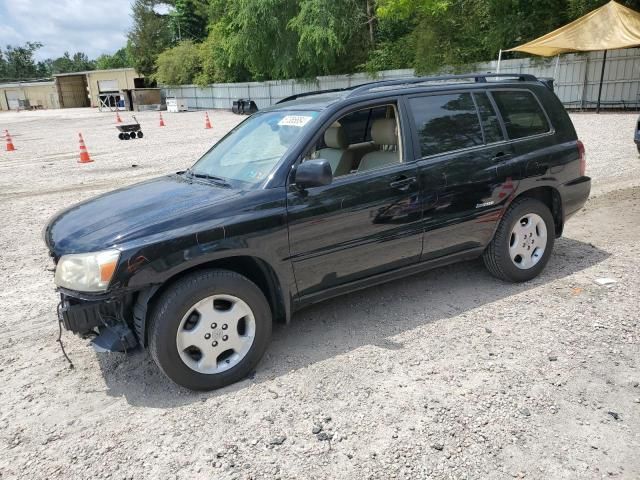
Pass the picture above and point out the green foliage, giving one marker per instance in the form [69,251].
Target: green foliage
[577,8]
[179,65]
[328,32]
[79,62]
[189,20]
[17,62]
[151,35]
[217,65]
[257,37]
[120,59]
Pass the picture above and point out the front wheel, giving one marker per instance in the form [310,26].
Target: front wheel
[210,329]
[523,242]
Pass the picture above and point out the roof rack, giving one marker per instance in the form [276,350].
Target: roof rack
[367,87]
[477,77]
[315,92]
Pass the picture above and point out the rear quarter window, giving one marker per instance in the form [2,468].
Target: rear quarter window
[522,114]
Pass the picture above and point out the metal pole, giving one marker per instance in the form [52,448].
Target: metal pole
[604,62]
[499,60]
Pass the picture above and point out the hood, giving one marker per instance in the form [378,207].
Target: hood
[141,210]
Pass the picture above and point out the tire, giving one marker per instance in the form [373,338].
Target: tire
[121,136]
[175,311]
[132,135]
[522,215]
[126,136]
[140,135]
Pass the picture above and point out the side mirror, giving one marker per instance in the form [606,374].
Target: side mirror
[313,173]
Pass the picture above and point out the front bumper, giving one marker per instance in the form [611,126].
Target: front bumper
[102,319]
[81,317]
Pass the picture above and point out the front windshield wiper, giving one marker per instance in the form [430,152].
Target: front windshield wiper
[217,180]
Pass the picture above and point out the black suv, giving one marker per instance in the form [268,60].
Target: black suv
[317,196]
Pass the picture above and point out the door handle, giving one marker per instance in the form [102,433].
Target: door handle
[402,183]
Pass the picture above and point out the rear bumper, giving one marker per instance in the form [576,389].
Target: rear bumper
[574,195]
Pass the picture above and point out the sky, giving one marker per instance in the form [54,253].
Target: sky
[91,26]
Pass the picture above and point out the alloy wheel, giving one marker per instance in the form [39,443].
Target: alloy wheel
[216,334]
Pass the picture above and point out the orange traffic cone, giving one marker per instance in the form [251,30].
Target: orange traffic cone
[161,120]
[118,119]
[84,154]
[10,147]
[207,123]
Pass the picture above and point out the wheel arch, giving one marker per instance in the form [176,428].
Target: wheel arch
[550,196]
[255,269]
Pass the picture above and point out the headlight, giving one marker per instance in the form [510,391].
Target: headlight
[87,272]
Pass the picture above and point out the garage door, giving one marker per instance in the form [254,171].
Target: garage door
[73,91]
[12,99]
[108,85]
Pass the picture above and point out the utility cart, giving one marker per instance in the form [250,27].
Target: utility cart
[131,130]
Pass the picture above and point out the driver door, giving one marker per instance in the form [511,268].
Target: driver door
[366,222]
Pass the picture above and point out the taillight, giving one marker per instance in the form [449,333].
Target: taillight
[583,158]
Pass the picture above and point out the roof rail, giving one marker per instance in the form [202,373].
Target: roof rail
[366,87]
[306,94]
[477,77]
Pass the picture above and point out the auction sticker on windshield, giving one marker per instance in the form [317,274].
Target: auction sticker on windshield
[295,120]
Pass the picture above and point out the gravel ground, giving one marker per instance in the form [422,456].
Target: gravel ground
[446,374]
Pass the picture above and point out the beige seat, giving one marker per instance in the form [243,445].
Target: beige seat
[336,153]
[383,132]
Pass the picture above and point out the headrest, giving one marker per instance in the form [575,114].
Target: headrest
[384,132]
[335,137]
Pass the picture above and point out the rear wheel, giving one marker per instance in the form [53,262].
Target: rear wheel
[132,134]
[210,329]
[523,242]
[121,136]
[140,135]
[126,136]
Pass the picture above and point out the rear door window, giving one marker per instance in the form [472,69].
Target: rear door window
[445,122]
[522,114]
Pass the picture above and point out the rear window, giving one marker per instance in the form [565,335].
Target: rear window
[446,122]
[521,113]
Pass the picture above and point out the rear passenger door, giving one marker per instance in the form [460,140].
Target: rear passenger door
[464,161]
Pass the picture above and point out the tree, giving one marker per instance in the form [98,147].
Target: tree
[256,36]
[19,63]
[150,35]
[189,20]
[578,8]
[79,62]
[120,59]
[179,65]
[332,35]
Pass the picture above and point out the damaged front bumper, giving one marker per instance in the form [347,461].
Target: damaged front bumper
[100,318]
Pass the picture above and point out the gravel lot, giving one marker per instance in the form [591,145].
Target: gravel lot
[447,374]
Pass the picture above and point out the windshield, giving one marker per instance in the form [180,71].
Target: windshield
[251,151]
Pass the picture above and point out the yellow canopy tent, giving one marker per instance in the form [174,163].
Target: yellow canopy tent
[609,27]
